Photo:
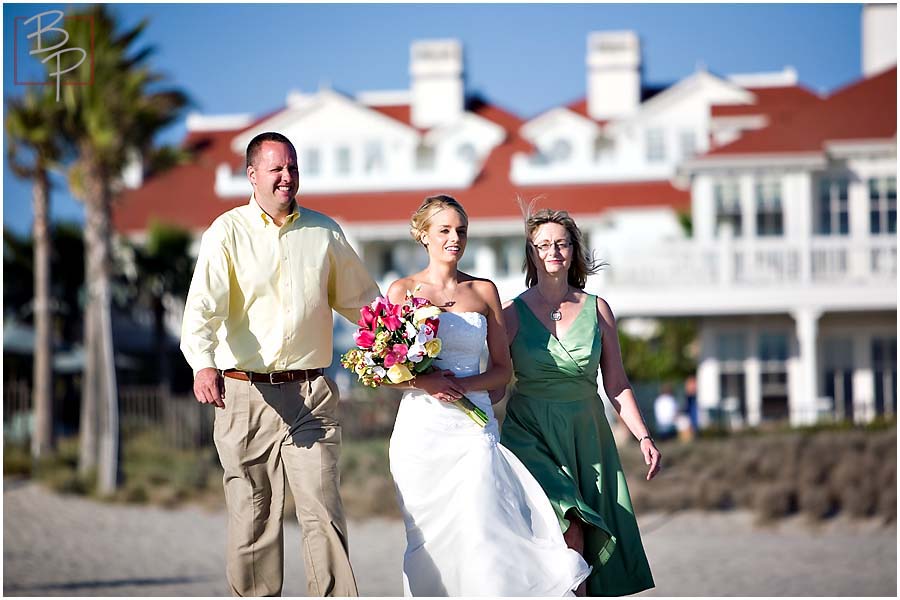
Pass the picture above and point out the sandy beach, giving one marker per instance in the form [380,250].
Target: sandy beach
[57,545]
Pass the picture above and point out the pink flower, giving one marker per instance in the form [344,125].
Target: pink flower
[364,338]
[391,318]
[379,304]
[390,359]
[367,318]
[417,302]
[400,349]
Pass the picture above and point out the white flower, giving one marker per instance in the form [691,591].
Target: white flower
[425,334]
[416,352]
[379,371]
[410,331]
[367,358]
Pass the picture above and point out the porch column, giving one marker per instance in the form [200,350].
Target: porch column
[863,378]
[803,406]
[708,393]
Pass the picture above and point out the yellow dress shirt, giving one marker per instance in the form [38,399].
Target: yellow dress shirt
[261,295]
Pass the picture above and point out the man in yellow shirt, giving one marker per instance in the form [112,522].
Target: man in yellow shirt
[259,312]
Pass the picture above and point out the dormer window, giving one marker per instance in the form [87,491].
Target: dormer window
[342,160]
[466,152]
[603,147]
[424,157]
[311,162]
[655,145]
[688,142]
[374,157]
[561,150]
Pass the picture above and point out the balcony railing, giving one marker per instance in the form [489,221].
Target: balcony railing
[757,263]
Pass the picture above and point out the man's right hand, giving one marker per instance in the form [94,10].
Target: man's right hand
[209,387]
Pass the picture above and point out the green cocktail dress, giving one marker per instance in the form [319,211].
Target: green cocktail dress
[556,425]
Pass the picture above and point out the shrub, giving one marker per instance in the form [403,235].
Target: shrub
[774,500]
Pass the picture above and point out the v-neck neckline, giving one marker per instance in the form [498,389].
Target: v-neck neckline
[558,338]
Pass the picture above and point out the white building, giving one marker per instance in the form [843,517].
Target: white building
[791,268]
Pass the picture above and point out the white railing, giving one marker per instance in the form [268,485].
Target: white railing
[757,263]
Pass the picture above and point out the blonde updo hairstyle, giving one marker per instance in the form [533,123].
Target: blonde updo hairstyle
[418,224]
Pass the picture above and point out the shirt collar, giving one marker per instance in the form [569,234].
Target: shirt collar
[265,219]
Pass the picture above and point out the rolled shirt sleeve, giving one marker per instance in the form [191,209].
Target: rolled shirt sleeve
[350,287]
[206,307]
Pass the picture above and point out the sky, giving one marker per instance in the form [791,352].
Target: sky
[525,58]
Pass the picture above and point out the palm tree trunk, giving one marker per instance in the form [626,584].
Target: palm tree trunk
[88,444]
[100,372]
[42,440]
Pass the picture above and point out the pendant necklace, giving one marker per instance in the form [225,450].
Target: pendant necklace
[555,313]
[450,302]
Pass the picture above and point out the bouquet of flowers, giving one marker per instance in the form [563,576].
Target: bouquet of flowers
[396,342]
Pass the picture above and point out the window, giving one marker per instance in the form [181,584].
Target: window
[728,206]
[833,213]
[838,367]
[466,152]
[773,354]
[656,145]
[374,157]
[561,150]
[769,216]
[731,351]
[424,157]
[688,142]
[883,205]
[343,160]
[884,366]
[603,147]
[311,164]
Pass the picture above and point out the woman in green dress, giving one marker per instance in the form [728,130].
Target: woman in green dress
[555,423]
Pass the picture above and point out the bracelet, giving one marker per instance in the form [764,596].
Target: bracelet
[646,437]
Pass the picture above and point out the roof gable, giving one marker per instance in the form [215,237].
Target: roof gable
[863,110]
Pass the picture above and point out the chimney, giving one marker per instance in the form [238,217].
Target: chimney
[879,38]
[614,74]
[436,69]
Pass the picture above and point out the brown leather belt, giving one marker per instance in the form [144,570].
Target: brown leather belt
[276,378]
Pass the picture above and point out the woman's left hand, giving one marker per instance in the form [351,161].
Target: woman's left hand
[652,457]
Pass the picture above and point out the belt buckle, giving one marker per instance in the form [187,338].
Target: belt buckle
[272,380]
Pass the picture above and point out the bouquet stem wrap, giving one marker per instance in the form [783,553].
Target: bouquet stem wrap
[475,413]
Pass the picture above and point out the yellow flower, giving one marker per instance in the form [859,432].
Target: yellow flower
[425,312]
[433,347]
[399,373]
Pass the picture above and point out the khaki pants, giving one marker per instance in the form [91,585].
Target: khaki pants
[264,433]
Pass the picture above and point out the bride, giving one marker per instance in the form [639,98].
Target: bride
[477,522]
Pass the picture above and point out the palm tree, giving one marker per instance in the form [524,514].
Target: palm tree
[35,147]
[164,268]
[112,119]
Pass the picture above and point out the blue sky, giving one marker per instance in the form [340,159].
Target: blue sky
[234,58]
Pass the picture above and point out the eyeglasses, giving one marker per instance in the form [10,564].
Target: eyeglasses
[561,246]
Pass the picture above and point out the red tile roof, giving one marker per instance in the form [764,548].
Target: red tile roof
[863,110]
[185,196]
[770,101]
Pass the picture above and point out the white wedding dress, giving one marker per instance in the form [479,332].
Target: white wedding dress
[477,522]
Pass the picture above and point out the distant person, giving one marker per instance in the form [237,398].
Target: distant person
[665,410]
[477,522]
[258,312]
[560,337]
